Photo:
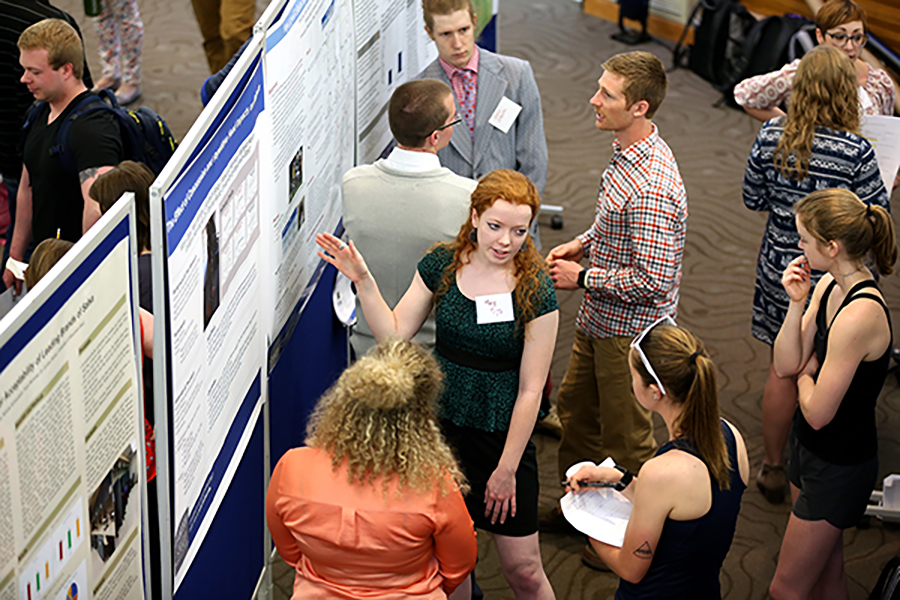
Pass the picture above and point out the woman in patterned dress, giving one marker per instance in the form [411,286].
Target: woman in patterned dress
[842,25]
[496,319]
[120,36]
[816,146]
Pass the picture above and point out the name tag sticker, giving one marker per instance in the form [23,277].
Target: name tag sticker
[494,308]
[505,114]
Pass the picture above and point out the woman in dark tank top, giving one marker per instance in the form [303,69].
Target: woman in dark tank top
[688,496]
[839,349]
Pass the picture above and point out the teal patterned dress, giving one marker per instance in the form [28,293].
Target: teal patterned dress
[472,397]
[477,404]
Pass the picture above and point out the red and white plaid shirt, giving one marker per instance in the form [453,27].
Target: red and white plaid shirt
[636,242]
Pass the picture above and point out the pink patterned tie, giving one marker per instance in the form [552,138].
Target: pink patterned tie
[467,102]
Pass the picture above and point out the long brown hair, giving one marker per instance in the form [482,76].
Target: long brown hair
[689,376]
[45,255]
[380,418]
[837,214]
[517,189]
[824,94]
[127,176]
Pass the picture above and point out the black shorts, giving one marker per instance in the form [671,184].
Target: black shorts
[479,453]
[838,494]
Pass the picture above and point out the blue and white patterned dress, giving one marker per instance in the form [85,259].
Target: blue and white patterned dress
[839,159]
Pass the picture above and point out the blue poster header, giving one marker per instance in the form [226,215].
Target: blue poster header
[186,197]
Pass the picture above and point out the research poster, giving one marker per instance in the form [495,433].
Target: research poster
[391,48]
[309,95]
[71,427]
[217,349]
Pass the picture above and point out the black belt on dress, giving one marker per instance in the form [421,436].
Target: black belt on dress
[477,361]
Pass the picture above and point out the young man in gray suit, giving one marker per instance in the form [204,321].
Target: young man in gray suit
[398,207]
[496,95]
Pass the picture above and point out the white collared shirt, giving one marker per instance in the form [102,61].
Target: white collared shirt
[411,161]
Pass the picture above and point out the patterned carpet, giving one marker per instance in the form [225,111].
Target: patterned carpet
[566,49]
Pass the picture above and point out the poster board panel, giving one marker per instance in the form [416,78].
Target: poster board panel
[71,425]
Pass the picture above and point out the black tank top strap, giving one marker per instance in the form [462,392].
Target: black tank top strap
[852,295]
[821,324]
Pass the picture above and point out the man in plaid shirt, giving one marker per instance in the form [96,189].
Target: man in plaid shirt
[634,247]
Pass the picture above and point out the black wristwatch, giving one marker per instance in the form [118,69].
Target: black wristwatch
[627,477]
[581,275]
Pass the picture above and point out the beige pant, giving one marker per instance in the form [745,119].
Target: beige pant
[599,414]
[225,25]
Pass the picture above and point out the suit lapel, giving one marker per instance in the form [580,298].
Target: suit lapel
[491,88]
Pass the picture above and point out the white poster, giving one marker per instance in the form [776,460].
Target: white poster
[309,94]
[217,347]
[391,48]
[71,427]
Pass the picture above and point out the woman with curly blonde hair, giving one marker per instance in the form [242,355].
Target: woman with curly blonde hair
[817,146]
[372,507]
[496,318]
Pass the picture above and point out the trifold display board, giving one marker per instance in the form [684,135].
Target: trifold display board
[243,322]
[72,481]
[208,274]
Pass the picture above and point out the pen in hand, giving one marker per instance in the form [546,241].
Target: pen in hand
[592,484]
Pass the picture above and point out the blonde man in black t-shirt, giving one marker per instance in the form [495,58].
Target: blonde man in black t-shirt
[53,202]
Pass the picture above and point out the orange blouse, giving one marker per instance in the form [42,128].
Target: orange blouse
[353,541]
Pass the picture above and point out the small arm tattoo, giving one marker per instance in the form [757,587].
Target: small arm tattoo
[88,173]
[644,551]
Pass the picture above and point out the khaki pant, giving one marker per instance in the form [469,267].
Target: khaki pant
[225,25]
[599,414]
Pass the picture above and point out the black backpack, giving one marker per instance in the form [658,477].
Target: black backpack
[888,586]
[803,40]
[719,37]
[765,49]
[145,135]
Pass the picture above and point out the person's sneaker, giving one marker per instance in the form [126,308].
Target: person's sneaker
[592,560]
[771,482]
[555,522]
[550,425]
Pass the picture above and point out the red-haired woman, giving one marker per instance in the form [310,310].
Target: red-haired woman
[496,318]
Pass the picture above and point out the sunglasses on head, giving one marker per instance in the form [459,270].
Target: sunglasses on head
[636,344]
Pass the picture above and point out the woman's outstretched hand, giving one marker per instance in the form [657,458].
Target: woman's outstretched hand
[345,257]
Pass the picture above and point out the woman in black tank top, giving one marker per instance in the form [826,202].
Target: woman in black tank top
[839,349]
[688,496]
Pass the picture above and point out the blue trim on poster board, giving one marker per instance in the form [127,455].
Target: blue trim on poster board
[230,560]
[310,362]
[223,112]
[220,465]
[61,295]
[185,198]
[488,37]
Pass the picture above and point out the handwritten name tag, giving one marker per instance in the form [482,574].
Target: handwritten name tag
[494,308]
[505,114]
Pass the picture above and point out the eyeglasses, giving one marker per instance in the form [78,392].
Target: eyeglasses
[455,121]
[636,344]
[858,39]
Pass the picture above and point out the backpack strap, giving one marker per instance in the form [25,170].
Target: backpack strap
[30,116]
[90,104]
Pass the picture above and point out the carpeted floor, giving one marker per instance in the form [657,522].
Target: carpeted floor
[566,49]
